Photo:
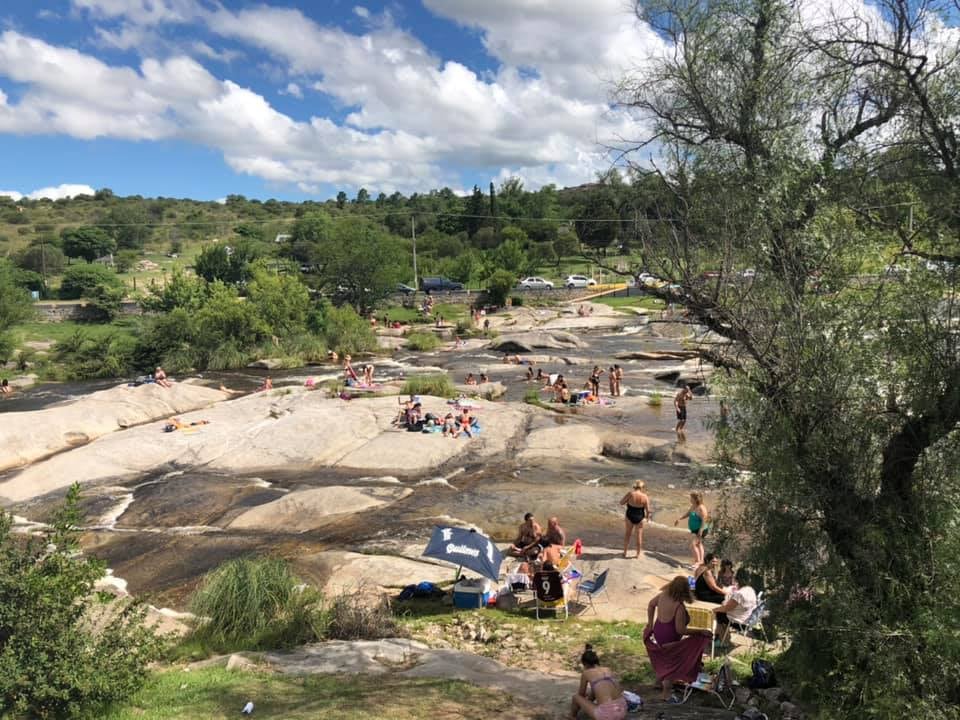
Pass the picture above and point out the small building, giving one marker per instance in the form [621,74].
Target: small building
[283,237]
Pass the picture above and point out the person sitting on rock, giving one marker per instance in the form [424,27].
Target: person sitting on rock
[267,384]
[465,422]
[599,695]
[449,426]
[160,377]
[483,378]
[555,534]
[415,418]
[528,538]
[529,373]
[5,388]
[471,380]
[540,377]
[563,394]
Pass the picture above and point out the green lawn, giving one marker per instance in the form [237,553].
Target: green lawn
[452,314]
[215,694]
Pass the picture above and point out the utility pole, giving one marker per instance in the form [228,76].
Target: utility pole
[413,234]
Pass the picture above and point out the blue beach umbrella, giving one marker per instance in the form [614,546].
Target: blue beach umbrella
[466,548]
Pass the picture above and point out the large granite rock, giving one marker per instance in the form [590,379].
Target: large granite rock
[288,428]
[529,341]
[26,437]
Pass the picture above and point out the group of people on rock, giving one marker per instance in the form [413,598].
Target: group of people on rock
[413,418]
[472,379]
[352,378]
[539,549]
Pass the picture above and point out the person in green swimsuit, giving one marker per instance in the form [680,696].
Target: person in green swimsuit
[698,523]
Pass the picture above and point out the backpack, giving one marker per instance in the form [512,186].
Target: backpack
[763,675]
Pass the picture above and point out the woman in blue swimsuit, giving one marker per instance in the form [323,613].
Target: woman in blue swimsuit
[698,523]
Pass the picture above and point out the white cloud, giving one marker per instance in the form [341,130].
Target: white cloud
[58,192]
[293,90]
[361,11]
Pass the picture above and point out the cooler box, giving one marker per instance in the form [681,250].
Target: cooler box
[472,594]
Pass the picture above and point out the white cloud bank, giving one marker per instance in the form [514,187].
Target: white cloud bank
[67,190]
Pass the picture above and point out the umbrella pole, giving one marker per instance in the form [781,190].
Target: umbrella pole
[459,571]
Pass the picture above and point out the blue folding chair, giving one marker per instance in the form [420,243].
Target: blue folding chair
[592,588]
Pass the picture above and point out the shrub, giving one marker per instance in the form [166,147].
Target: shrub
[53,663]
[655,400]
[438,385]
[80,280]
[83,356]
[499,286]
[351,616]
[124,260]
[516,300]
[346,331]
[256,603]
[423,341]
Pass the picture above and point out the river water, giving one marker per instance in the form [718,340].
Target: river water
[162,532]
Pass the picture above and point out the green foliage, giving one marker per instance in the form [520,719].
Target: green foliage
[55,661]
[84,355]
[438,385]
[346,331]
[42,259]
[362,265]
[598,225]
[181,291]
[88,243]
[127,222]
[655,399]
[256,603]
[228,264]
[499,286]
[82,280]
[124,260]
[422,341]
[14,300]
[105,300]
[282,301]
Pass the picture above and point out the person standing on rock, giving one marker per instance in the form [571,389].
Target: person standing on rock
[683,395]
[594,381]
[698,518]
[618,371]
[638,510]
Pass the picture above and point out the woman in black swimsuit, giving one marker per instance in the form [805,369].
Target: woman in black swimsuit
[638,510]
[594,381]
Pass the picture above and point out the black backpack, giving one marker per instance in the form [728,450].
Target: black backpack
[763,675]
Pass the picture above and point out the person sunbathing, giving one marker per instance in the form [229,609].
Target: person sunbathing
[160,377]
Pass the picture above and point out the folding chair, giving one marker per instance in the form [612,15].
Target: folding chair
[719,685]
[549,593]
[593,588]
[702,618]
[754,623]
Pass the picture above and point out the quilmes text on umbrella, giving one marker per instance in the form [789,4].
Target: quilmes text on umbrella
[463,549]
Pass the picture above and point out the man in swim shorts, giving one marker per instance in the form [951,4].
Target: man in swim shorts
[680,405]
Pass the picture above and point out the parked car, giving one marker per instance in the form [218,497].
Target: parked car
[439,284]
[579,281]
[535,283]
[405,289]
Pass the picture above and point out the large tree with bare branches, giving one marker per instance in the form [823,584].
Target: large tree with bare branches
[806,157]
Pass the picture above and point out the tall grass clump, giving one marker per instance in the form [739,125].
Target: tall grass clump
[357,616]
[655,400]
[256,603]
[437,384]
[423,341]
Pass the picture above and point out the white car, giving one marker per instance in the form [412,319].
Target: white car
[535,283]
[579,281]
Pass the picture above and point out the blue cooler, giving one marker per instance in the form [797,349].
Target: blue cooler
[472,594]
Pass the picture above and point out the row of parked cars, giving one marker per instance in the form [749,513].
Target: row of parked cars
[535,282]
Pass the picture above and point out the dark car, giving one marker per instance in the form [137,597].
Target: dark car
[405,289]
[439,284]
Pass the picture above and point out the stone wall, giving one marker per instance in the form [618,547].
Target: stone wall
[471,297]
[80,312]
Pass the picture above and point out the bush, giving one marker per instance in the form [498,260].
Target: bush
[655,400]
[256,604]
[499,286]
[83,356]
[124,260]
[80,280]
[351,616]
[423,341]
[42,258]
[53,663]
[346,331]
[438,385]
[516,300]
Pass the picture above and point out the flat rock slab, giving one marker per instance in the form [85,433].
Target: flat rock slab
[529,341]
[338,571]
[337,657]
[309,509]
[26,437]
[560,442]
[290,428]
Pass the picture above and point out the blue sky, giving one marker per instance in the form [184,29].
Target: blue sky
[295,99]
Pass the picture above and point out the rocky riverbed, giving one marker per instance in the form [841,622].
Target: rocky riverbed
[350,498]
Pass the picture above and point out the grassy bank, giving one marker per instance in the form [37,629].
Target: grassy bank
[215,693]
[632,301]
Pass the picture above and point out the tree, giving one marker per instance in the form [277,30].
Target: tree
[846,396]
[476,212]
[63,652]
[499,285]
[44,259]
[82,280]
[14,306]
[597,225]
[88,243]
[363,264]
[363,196]
[341,199]
[128,223]
[229,264]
